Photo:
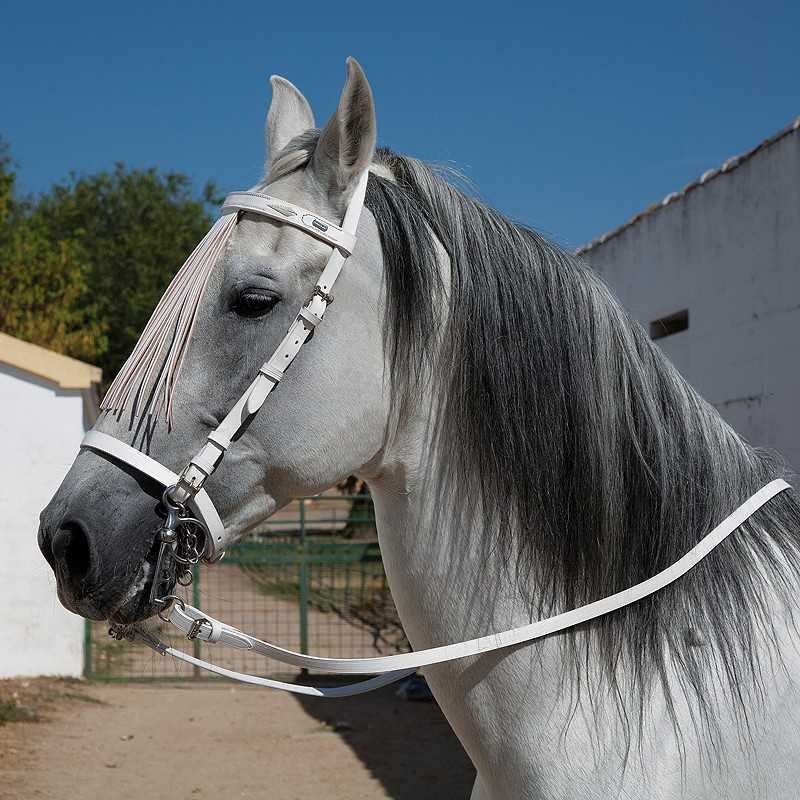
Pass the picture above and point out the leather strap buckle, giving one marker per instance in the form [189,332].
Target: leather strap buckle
[195,629]
[318,292]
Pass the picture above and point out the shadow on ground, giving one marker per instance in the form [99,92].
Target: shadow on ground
[407,746]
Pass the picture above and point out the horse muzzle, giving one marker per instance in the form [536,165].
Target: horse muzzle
[104,563]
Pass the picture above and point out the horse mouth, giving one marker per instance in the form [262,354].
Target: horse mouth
[140,601]
[88,590]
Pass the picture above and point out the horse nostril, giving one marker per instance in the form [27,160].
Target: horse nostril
[70,547]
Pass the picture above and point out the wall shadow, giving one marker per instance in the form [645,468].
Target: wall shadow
[407,746]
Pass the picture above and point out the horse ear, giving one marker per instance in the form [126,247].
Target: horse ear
[347,143]
[289,115]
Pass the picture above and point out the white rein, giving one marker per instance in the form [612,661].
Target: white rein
[195,624]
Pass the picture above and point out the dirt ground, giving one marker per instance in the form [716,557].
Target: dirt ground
[68,740]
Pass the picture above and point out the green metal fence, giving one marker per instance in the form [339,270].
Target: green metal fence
[311,579]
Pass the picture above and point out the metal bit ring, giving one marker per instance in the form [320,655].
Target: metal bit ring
[185,578]
[168,601]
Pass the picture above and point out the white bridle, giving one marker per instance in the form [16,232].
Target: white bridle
[187,487]
[186,490]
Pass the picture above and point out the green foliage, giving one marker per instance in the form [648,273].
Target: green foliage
[44,282]
[7,180]
[83,266]
[11,711]
[44,292]
[136,228]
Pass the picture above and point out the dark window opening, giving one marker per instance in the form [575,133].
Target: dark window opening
[673,323]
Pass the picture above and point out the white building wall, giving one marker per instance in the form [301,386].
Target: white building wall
[40,428]
[729,251]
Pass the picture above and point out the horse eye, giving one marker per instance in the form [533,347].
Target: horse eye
[251,303]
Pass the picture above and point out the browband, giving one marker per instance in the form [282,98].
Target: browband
[307,221]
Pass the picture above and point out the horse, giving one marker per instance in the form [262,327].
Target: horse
[528,449]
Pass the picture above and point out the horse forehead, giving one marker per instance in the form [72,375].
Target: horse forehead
[262,235]
[261,243]
[302,189]
[266,237]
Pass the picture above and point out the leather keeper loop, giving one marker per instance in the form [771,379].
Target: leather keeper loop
[272,372]
[223,442]
[309,317]
[203,463]
[215,634]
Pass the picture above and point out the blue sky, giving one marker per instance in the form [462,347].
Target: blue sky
[569,117]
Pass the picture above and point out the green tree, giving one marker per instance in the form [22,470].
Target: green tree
[83,266]
[44,282]
[7,179]
[135,228]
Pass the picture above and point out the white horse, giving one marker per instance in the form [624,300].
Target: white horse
[528,449]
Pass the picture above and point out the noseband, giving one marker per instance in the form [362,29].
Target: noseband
[193,531]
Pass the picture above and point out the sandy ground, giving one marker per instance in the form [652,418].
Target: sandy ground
[126,741]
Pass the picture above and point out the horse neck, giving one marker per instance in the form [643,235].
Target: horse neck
[515,707]
[448,586]
[448,579]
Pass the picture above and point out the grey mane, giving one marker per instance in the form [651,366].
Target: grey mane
[592,457]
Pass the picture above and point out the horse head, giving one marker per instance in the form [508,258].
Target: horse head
[326,420]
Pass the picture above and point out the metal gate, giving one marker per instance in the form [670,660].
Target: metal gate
[311,579]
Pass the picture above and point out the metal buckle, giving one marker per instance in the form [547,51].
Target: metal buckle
[195,628]
[317,292]
[180,493]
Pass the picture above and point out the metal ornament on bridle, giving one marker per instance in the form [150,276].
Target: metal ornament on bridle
[182,541]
